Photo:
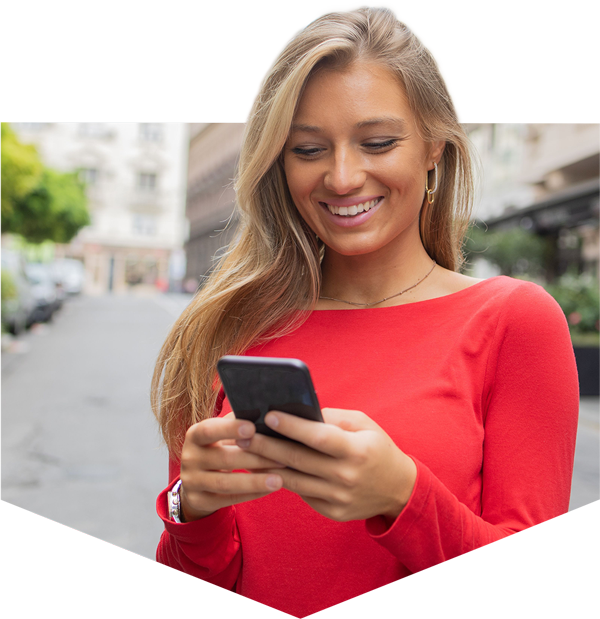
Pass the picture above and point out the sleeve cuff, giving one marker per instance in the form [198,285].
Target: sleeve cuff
[377,526]
[200,531]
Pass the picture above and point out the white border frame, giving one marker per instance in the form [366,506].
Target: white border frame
[506,60]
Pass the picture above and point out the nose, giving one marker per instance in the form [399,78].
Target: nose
[345,173]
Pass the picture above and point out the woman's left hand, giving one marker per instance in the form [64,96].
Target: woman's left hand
[347,468]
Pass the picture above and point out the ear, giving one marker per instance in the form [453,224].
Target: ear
[436,150]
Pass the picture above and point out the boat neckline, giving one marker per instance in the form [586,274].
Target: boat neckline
[434,300]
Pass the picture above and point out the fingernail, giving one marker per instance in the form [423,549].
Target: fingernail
[243,443]
[245,430]
[272,420]
[273,482]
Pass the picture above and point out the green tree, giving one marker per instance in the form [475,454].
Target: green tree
[21,173]
[515,251]
[55,210]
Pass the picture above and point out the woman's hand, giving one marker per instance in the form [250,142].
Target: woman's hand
[209,455]
[347,468]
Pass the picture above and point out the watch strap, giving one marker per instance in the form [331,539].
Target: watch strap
[174,499]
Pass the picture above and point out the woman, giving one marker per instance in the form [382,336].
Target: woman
[450,403]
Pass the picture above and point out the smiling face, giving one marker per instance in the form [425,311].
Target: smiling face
[355,165]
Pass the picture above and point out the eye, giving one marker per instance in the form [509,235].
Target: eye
[381,145]
[308,152]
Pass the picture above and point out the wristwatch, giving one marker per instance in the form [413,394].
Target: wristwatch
[175,503]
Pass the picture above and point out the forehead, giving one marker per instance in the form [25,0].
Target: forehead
[359,92]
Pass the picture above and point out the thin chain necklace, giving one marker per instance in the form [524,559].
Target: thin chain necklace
[382,300]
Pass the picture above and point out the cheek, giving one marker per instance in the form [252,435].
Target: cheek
[301,183]
[291,178]
[402,178]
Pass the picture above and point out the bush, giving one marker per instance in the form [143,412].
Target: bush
[579,298]
[515,251]
[9,292]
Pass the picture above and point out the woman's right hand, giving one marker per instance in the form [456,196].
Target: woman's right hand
[209,456]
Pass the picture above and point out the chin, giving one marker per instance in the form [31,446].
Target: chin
[352,249]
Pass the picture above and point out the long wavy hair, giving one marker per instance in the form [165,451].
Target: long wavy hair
[268,280]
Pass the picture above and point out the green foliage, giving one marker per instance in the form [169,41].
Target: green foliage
[40,203]
[21,172]
[522,254]
[586,340]
[579,298]
[55,210]
[35,252]
[515,251]
[9,290]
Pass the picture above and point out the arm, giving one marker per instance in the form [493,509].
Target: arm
[208,548]
[207,545]
[531,401]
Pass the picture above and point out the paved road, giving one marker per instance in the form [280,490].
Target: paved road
[79,442]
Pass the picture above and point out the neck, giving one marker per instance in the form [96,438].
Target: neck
[368,278]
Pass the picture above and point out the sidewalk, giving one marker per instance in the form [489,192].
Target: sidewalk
[586,473]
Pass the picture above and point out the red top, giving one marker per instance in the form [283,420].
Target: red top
[478,387]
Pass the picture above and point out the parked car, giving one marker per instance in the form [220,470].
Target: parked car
[44,291]
[70,273]
[18,301]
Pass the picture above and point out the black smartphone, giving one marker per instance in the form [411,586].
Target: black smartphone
[256,385]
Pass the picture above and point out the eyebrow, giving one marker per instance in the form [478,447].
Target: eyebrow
[400,123]
[384,120]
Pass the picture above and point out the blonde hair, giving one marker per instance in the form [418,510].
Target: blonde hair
[268,281]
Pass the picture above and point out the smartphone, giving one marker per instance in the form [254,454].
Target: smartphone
[256,385]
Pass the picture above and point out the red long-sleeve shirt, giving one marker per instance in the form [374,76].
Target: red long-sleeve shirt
[478,387]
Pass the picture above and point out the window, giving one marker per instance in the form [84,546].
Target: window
[150,132]
[147,181]
[144,225]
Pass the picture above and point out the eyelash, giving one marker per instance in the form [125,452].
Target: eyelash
[375,146]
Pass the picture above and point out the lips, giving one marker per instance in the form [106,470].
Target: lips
[351,210]
[348,214]
[350,201]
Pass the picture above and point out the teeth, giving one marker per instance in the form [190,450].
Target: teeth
[350,211]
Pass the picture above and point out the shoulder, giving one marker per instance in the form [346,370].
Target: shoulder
[522,295]
[502,292]
[526,311]
[531,350]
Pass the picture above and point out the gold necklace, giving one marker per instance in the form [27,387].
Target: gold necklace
[382,300]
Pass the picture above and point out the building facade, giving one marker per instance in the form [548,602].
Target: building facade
[544,178]
[135,183]
[213,155]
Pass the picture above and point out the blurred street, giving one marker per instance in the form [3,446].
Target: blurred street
[79,442]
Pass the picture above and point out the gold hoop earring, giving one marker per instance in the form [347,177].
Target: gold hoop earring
[430,192]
